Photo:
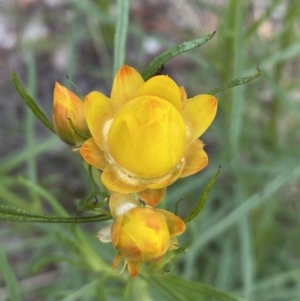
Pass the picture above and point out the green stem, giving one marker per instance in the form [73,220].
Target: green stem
[53,219]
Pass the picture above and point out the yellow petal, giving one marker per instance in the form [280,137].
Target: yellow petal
[133,267]
[147,137]
[164,87]
[175,224]
[152,196]
[116,180]
[98,114]
[126,83]
[93,155]
[196,159]
[125,240]
[198,113]
[182,94]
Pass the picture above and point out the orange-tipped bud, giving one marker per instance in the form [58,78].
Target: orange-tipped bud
[140,234]
[68,109]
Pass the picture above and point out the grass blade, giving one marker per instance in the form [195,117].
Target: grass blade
[9,277]
[121,34]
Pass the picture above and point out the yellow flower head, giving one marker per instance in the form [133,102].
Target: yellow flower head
[145,136]
[140,234]
[67,106]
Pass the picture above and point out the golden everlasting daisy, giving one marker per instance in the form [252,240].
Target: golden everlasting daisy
[140,234]
[145,136]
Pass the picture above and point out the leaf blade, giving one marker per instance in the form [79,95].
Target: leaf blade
[29,101]
[187,290]
[161,59]
[234,83]
[9,277]
[203,197]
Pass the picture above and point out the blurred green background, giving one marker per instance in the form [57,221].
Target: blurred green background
[247,239]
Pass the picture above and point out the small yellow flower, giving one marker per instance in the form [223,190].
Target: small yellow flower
[67,106]
[140,234]
[145,136]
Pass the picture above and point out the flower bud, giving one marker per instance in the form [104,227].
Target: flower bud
[141,235]
[68,110]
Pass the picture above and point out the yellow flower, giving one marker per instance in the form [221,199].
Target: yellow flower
[145,136]
[140,234]
[67,106]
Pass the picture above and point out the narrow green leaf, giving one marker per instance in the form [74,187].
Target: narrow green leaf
[203,197]
[286,98]
[127,290]
[31,103]
[14,159]
[70,242]
[39,190]
[75,86]
[235,82]
[290,172]
[121,34]
[283,55]
[188,289]
[280,279]
[12,214]
[91,9]
[172,52]
[164,289]
[83,292]
[42,262]
[9,277]
[265,15]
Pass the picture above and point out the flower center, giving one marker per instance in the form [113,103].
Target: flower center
[147,137]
